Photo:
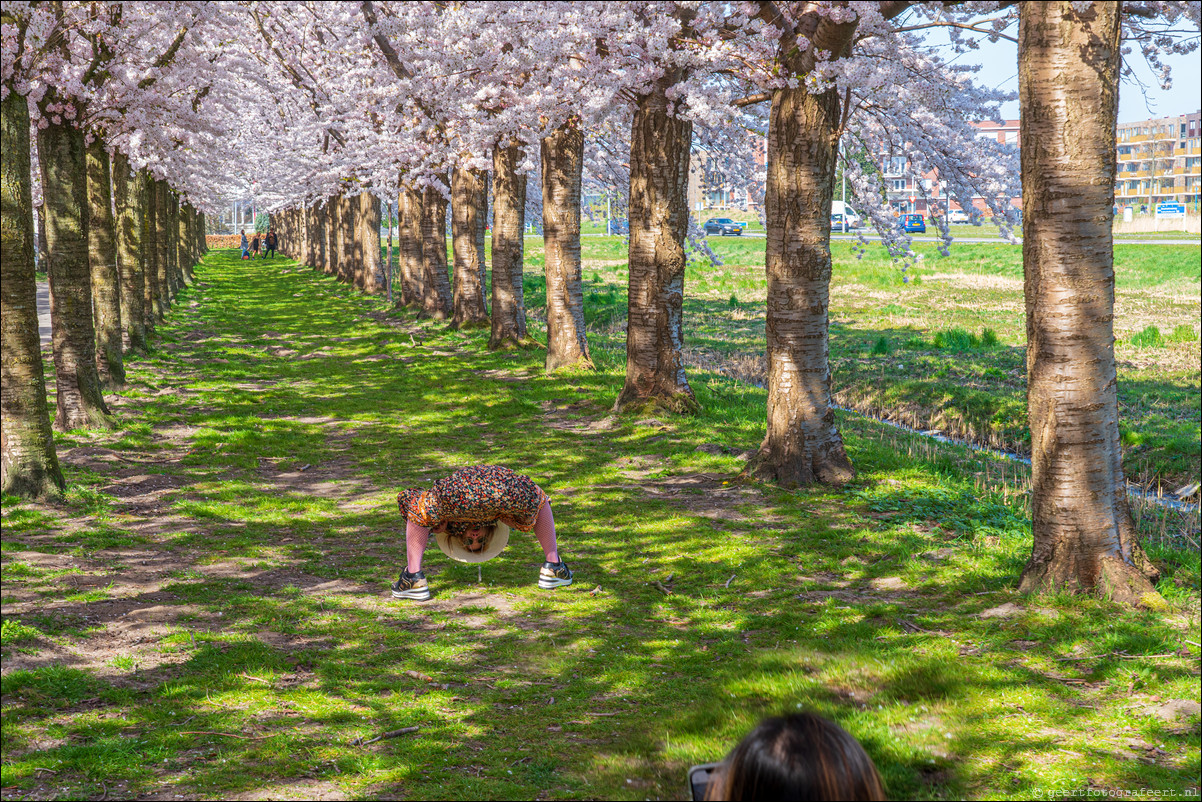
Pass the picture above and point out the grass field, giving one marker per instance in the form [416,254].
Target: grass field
[206,615]
[941,346]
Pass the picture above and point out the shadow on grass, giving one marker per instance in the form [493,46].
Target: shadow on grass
[274,628]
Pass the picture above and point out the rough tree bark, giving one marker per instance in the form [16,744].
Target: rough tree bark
[409,247]
[467,241]
[317,242]
[183,241]
[28,464]
[153,302]
[333,263]
[659,216]
[801,444]
[1084,539]
[352,249]
[128,189]
[162,241]
[175,281]
[436,287]
[509,219]
[43,255]
[562,155]
[106,277]
[79,399]
[369,236]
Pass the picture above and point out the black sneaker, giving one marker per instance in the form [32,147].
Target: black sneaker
[411,586]
[554,575]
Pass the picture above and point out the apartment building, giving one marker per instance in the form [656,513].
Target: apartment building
[1160,161]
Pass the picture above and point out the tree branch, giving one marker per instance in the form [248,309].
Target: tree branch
[962,26]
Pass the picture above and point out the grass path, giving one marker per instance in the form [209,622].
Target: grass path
[207,613]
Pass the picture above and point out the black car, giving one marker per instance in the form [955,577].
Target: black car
[724,226]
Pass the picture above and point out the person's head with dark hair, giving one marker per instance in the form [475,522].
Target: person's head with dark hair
[795,757]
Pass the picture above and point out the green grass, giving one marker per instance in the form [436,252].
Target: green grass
[953,352]
[245,635]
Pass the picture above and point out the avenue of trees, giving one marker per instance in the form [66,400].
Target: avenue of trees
[327,113]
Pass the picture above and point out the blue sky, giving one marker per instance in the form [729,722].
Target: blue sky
[999,69]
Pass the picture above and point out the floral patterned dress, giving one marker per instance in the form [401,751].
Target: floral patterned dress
[480,494]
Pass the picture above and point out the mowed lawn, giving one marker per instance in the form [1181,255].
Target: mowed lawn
[207,614]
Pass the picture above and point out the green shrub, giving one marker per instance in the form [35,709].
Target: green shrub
[915,342]
[1183,333]
[1148,338]
[989,338]
[957,339]
[734,300]
[881,347]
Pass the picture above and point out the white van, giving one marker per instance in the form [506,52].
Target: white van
[853,217]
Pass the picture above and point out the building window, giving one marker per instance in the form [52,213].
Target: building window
[899,184]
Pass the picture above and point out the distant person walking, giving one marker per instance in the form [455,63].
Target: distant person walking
[270,242]
[254,246]
[245,246]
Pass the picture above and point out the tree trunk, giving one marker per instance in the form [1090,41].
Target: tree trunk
[347,236]
[467,239]
[174,276]
[369,236]
[28,464]
[79,400]
[659,216]
[801,444]
[317,239]
[183,248]
[562,163]
[162,239]
[436,288]
[43,249]
[128,189]
[1084,539]
[409,246]
[153,301]
[509,222]
[333,246]
[106,277]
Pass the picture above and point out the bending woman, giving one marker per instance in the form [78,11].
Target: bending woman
[466,507]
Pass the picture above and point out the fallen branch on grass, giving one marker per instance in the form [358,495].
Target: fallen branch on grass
[228,735]
[390,734]
[256,679]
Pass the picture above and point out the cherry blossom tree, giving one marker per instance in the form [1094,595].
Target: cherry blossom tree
[1070,59]
[28,463]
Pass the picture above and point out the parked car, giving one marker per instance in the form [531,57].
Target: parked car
[914,223]
[619,228]
[957,216]
[724,226]
[853,222]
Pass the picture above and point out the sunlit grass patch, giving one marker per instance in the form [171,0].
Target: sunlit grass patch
[258,582]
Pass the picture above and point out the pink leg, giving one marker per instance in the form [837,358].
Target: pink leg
[544,530]
[416,539]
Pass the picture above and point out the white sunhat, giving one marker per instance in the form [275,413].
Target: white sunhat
[453,548]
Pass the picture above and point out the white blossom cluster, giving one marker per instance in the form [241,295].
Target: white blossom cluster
[293,102]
